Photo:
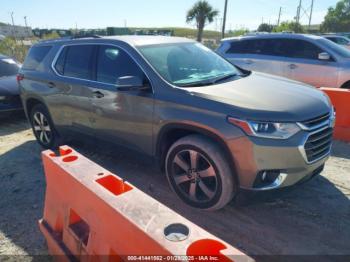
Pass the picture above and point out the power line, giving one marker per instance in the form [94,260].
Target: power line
[311,11]
[303,11]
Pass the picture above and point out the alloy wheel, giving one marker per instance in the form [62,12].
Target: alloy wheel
[194,176]
[42,128]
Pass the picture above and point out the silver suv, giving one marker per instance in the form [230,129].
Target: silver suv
[306,58]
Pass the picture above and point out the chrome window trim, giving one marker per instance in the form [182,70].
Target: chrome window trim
[54,61]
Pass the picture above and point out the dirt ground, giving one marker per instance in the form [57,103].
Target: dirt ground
[311,219]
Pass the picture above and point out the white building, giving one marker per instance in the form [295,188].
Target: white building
[16,31]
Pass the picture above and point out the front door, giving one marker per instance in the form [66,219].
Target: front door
[304,66]
[122,116]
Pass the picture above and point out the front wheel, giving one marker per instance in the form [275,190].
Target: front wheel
[199,173]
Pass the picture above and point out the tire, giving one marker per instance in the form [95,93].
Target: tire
[199,173]
[43,127]
[346,85]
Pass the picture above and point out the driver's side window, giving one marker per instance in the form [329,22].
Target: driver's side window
[113,62]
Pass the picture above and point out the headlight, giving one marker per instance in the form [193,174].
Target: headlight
[266,129]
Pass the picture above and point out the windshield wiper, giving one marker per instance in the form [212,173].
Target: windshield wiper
[197,84]
[208,83]
[219,79]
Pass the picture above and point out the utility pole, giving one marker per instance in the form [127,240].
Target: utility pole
[279,16]
[224,20]
[25,21]
[311,11]
[298,12]
[13,25]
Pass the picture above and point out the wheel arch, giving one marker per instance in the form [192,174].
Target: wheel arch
[173,132]
[31,102]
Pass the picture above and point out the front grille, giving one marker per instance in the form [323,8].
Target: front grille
[318,144]
[311,123]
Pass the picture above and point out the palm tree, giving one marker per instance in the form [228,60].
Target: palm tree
[202,12]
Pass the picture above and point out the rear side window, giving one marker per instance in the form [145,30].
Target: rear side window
[242,47]
[292,48]
[75,61]
[259,46]
[35,57]
[78,61]
[113,63]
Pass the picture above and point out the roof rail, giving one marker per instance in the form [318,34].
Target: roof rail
[85,36]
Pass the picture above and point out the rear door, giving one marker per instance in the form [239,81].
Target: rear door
[73,67]
[122,116]
[257,55]
[304,65]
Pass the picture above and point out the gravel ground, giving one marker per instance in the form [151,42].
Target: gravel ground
[311,219]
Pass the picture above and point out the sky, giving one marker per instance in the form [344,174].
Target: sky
[151,13]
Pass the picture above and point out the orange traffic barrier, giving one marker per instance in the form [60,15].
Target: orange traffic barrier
[341,100]
[93,215]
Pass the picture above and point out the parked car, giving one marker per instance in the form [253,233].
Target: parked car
[340,40]
[213,127]
[9,92]
[306,58]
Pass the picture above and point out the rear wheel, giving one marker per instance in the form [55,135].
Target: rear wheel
[43,128]
[198,172]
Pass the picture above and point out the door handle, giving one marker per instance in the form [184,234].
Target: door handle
[292,66]
[51,84]
[248,62]
[98,94]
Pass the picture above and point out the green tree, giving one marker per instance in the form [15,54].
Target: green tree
[10,47]
[338,18]
[265,28]
[52,35]
[238,32]
[289,26]
[202,13]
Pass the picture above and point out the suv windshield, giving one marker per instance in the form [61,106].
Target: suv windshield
[338,49]
[188,64]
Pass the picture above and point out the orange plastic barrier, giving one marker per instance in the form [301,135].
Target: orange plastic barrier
[341,101]
[93,215]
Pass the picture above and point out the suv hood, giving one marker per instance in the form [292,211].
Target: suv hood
[265,97]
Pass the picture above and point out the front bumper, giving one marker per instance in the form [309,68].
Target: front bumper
[283,162]
[10,104]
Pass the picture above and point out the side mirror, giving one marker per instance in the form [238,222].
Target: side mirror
[129,82]
[324,56]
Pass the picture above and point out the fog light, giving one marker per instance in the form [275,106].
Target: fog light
[266,177]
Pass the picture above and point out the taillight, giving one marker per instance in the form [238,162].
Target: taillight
[20,77]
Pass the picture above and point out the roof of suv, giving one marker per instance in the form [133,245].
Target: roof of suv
[134,40]
[273,35]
